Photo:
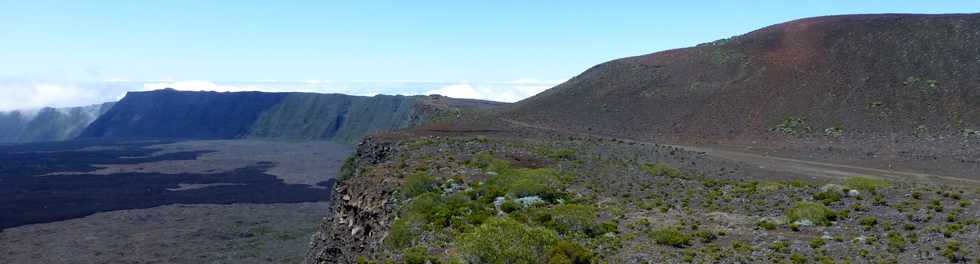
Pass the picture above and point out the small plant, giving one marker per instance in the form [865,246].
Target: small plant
[868,222]
[780,246]
[766,224]
[829,196]
[813,212]
[952,251]
[418,183]
[671,237]
[348,170]
[896,242]
[865,183]
[920,131]
[419,255]
[793,126]
[504,240]
[565,252]
[817,243]
[833,132]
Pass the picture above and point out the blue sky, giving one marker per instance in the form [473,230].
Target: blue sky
[444,43]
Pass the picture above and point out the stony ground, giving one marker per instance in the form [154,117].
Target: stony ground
[239,233]
[480,199]
[191,233]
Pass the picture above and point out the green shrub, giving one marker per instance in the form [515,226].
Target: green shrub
[556,153]
[523,182]
[670,237]
[504,240]
[793,126]
[817,243]
[780,246]
[868,222]
[662,169]
[404,232]
[418,183]
[706,236]
[455,210]
[952,251]
[896,242]
[419,255]
[571,219]
[766,224]
[814,212]
[510,206]
[865,183]
[348,170]
[565,252]
[829,197]
[798,258]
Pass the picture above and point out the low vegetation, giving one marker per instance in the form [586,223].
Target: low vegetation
[559,205]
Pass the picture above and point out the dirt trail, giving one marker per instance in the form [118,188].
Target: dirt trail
[782,164]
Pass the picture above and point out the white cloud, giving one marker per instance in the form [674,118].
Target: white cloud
[461,90]
[199,86]
[511,91]
[26,95]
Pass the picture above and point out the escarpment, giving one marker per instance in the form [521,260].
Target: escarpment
[361,207]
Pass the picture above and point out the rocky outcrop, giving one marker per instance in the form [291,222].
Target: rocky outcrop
[362,207]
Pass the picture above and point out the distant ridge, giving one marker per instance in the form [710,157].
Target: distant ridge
[852,75]
[170,113]
[48,124]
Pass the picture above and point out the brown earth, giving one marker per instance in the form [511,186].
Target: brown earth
[867,75]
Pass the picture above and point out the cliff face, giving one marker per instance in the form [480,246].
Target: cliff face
[48,124]
[213,115]
[858,73]
[362,208]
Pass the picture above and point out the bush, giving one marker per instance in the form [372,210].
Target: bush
[829,197]
[404,232]
[418,183]
[766,224]
[671,237]
[896,242]
[571,219]
[523,182]
[817,243]
[869,222]
[569,253]
[504,240]
[348,170]
[456,210]
[662,169]
[419,255]
[793,126]
[814,212]
[865,183]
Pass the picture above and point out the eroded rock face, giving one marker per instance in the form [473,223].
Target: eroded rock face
[361,209]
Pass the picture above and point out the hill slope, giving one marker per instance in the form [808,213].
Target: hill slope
[212,115]
[861,74]
[48,124]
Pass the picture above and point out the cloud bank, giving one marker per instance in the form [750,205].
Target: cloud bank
[21,94]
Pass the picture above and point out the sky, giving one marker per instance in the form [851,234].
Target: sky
[65,53]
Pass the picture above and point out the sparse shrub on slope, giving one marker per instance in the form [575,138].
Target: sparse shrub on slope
[865,183]
[504,240]
[671,237]
[813,212]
